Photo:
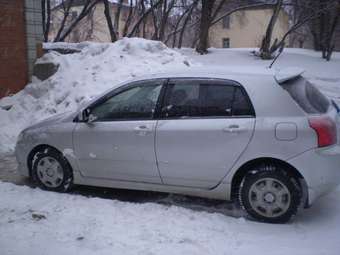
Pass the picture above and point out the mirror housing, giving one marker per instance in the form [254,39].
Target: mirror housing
[83,115]
[91,118]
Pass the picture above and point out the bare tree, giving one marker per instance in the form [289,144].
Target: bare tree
[323,27]
[308,15]
[205,22]
[143,17]
[67,25]
[113,32]
[117,16]
[46,17]
[265,50]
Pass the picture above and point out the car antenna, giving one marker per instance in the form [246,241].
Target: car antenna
[278,55]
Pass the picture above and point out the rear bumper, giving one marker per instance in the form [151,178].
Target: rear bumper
[320,169]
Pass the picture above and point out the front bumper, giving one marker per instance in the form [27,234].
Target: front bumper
[321,170]
[22,150]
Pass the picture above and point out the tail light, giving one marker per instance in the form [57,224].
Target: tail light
[325,129]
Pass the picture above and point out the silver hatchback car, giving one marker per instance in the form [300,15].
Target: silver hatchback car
[267,141]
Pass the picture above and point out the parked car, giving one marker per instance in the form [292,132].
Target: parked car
[267,141]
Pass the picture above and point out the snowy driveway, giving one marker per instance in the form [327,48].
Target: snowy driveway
[39,222]
[110,221]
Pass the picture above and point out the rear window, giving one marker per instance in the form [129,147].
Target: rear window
[307,96]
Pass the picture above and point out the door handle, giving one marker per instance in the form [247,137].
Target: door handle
[233,129]
[142,130]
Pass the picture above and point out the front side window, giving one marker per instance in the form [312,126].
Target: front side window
[187,99]
[138,102]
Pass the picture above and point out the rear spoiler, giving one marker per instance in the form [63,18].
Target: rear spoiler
[288,74]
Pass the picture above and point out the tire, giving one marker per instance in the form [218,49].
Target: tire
[270,196]
[51,171]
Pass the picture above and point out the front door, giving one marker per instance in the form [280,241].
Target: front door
[119,143]
[205,127]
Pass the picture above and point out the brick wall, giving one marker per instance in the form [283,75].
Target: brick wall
[13,49]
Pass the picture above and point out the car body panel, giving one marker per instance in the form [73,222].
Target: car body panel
[199,152]
[117,150]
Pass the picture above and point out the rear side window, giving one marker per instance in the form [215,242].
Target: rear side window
[307,96]
[218,100]
[189,98]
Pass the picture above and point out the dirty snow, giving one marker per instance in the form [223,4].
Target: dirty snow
[82,76]
[38,222]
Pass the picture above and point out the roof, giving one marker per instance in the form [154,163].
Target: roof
[280,75]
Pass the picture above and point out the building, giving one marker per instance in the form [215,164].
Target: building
[21,35]
[94,26]
[245,29]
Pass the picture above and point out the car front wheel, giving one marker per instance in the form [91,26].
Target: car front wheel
[52,171]
[270,196]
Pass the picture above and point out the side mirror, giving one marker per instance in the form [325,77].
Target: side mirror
[84,115]
[91,118]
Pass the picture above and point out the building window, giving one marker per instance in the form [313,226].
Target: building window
[226,43]
[226,22]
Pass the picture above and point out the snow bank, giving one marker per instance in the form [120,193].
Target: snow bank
[45,223]
[81,76]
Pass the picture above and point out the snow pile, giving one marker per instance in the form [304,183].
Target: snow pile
[45,223]
[81,76]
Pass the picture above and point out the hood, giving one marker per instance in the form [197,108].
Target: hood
[55,119]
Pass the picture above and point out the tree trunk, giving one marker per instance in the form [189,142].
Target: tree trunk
[180,41]
[206,12]
[107,14]
[84,12]
[117,17]
[128,20]
[330,46]
[265,50]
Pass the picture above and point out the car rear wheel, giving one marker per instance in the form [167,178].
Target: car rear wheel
[51,171]
[270,196]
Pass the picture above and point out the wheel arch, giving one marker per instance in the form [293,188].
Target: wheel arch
[249,165]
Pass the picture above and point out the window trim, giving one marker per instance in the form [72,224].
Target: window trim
[165,83]
[224,82]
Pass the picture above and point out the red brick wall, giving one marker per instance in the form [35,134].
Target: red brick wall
[13,54]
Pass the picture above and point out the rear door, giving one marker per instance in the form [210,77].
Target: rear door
[205,126]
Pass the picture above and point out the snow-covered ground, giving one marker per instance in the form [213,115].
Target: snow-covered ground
[37,222]
[43,223]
